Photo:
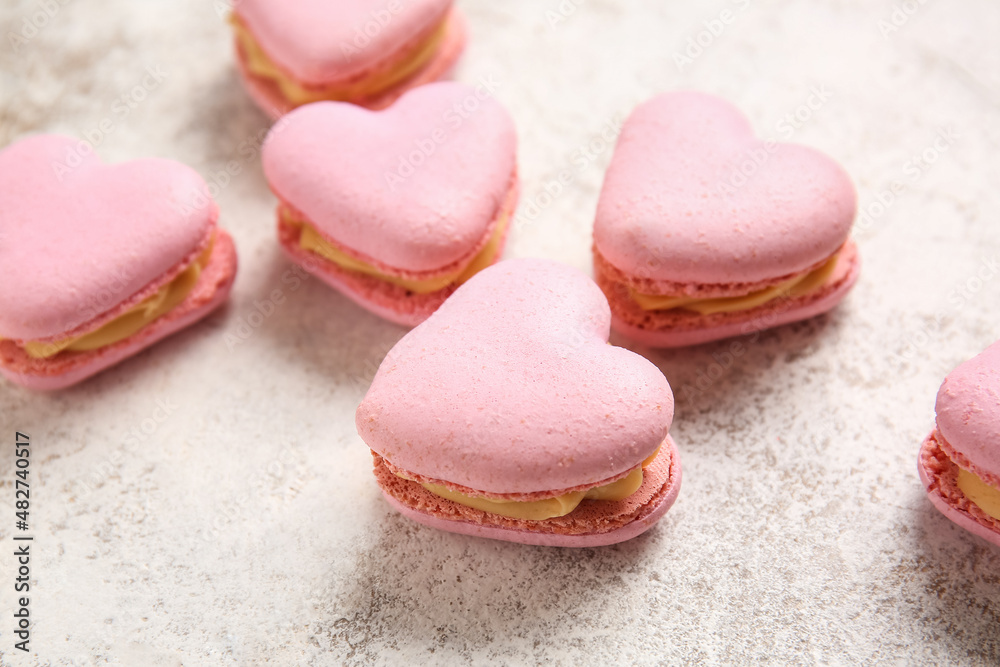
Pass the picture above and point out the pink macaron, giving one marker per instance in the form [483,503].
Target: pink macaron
[367,52]
[704,231]
[396,208]
[100,261]
[959,461]
[508,415]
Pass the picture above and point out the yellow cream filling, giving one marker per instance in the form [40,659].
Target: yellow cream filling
[166,299]
[794,287]
[311,240]
[548,508]
[260,64]
[986,497]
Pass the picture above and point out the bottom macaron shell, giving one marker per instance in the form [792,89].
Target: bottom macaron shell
[683,328]
[268,96]
[68,368]
[391,302]
[939,475]
[592,524]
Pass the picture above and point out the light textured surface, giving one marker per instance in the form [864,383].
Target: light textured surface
[210,503]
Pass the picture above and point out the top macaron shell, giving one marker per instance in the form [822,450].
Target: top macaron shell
[675,205]
[340,165]
[76,238]
[511,387]
[968,412]
[319,40]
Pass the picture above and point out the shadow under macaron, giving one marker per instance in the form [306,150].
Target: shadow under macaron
[444,592]
[721,376]
[960,574]
[223,122]
[310,324]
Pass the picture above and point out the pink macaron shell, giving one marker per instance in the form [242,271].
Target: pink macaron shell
[744,323]
[968,414]
[511,387]
[268,96]
[411,188]
[319,41]
[79,240]
[657,494]
[669,209]
[390,302]
[67,369]
[937,472]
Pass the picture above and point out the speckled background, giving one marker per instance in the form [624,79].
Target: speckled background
[209,502]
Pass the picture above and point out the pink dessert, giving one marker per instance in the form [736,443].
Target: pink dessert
[396,208]
[704,231]
[100,261]
[507,415]
[367,52]
[959,461]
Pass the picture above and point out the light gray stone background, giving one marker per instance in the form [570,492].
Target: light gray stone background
[209,502]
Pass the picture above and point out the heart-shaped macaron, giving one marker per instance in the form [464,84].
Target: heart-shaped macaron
[960,460]
[398,207]
[704,231]
[84,244]
[507,415]
[367,52]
